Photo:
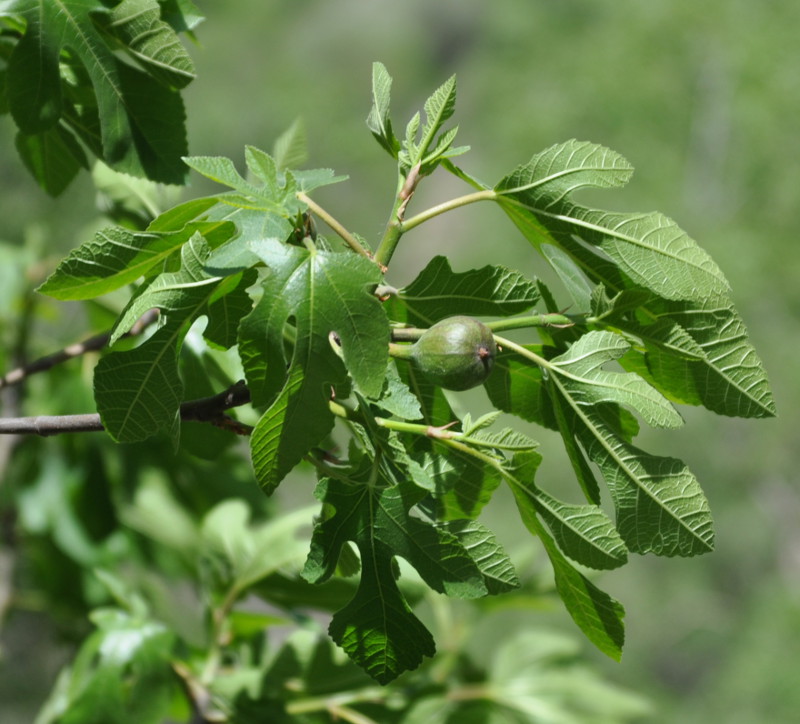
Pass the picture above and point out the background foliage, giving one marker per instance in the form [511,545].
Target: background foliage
[697,100]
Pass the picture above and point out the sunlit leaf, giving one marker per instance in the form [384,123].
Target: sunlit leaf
[649,248]
[597,614]
[324,294]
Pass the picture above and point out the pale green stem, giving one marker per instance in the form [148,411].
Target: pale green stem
[407,334]
[391,237]
[397,226]
[400,351]
[348,238]
[520,350]
[535,320]
[411,334]
[457,203]
[219,616]
[335,702]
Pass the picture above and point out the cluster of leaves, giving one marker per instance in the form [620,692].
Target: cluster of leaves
[80,77]
[176,641]
[312,318]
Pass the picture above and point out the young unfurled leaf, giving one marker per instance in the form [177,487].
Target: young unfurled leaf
[264,207]
[377,629]
[439,292]
[649,249]
[438,109]
[290,149]
[378,120]
[323,294]
[431,149]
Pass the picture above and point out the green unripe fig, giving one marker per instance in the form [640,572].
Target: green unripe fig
[456,353]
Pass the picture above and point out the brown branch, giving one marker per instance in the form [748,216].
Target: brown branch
[14,377]
[205,409]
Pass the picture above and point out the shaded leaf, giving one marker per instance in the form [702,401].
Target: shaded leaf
[138,26]
[516,386]
[138,392]
[439,292]
[122,673]
[251,551]
[377,629]
[498,572]
[228,305]
[117,119]
[53,157]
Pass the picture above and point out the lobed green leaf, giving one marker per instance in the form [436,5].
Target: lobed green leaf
[597,614]
[328,298]
[377,629]
[660,506]
[587,384]
[138,392]
[481,545]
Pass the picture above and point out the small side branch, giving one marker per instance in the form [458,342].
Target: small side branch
[348,238]
[206,409]
[93,344]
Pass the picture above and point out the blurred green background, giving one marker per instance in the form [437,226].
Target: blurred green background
[703,99]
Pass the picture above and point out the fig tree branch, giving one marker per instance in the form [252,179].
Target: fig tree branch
[205,409]
[93,344]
